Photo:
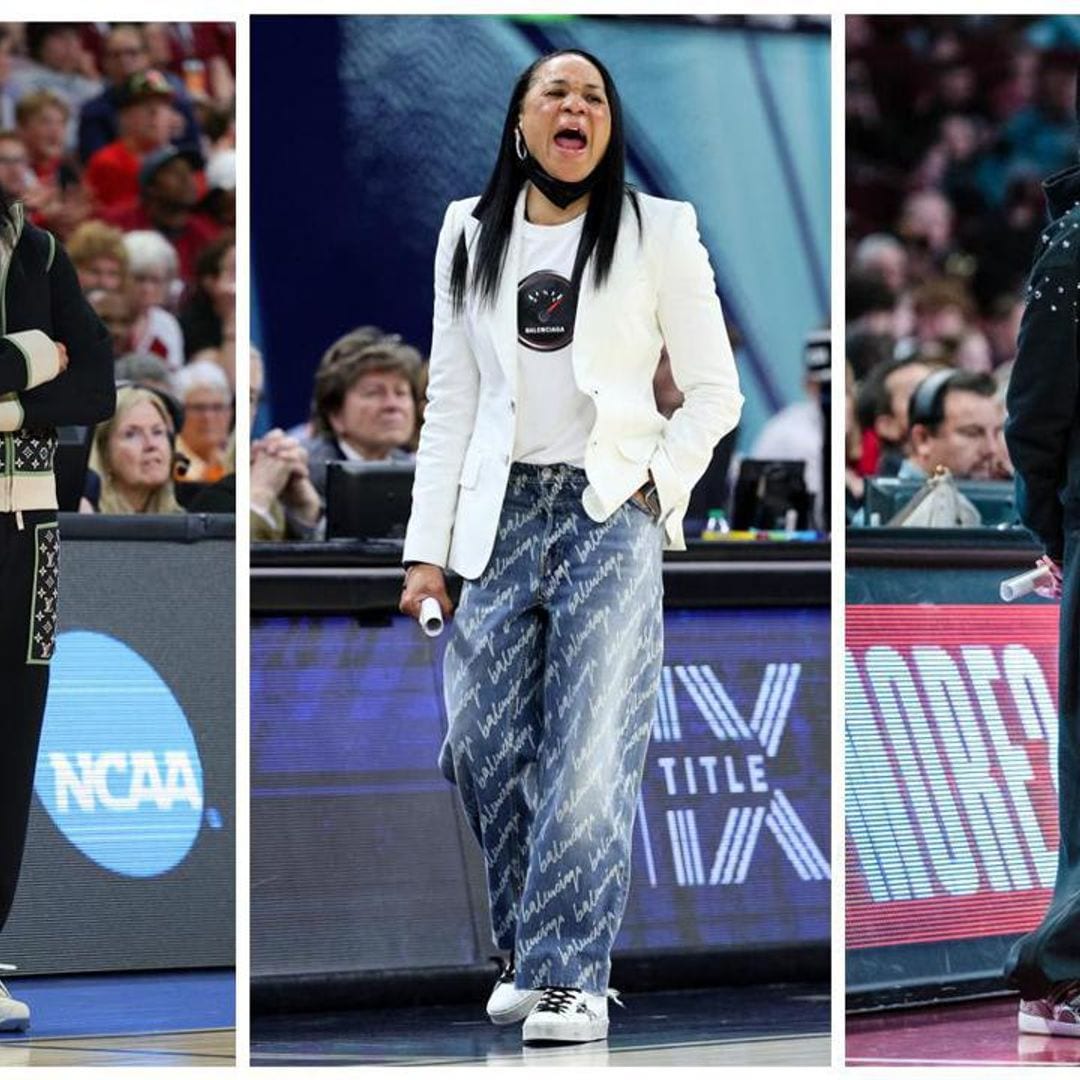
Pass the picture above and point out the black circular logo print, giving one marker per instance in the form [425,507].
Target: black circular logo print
[547,303]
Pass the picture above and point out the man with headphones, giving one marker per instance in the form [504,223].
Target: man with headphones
[956,420]
[1043,436]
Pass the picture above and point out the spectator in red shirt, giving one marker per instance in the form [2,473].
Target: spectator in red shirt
[169,192]
[146,121]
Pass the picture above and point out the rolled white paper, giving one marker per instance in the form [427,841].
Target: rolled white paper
[431,621]
[1022,584]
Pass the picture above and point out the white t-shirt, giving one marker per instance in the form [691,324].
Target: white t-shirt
[554,417]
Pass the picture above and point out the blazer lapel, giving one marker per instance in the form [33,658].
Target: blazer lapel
[584,321]
[503,326]
[593,308]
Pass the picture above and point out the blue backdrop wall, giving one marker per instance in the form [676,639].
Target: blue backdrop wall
[364,128]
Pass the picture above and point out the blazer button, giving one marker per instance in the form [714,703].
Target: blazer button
[513,406]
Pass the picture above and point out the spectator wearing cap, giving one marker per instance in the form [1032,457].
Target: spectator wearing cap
[145,120]
[100,258]
[365,407]
[153,265]
[204,439]
[168,196]
[60,65]
[125,54]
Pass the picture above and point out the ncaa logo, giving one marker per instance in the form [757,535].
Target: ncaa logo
[118,770]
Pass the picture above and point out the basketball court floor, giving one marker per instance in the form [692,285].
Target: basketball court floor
[143,1018]
[779,1025]
[971,1033]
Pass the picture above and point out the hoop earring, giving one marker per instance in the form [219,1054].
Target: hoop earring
[520,148]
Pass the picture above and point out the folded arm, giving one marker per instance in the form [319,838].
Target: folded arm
[85,392]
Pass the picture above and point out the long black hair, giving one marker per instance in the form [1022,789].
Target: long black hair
[495,210]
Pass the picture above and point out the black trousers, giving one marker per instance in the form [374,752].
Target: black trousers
[29,573]
[1051,953]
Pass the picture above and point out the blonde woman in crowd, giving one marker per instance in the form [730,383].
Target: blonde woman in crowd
[133,455]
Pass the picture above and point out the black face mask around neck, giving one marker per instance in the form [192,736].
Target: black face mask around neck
[561,192]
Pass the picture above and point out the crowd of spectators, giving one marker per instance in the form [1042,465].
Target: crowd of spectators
[120,140]
[369,389]
[367,406]
[953,122]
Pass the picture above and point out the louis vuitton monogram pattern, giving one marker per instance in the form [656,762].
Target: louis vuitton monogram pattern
[43,609]
[33,451]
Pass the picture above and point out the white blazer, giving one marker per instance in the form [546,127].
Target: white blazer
[659,292]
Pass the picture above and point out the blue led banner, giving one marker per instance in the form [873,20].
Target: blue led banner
[355,833]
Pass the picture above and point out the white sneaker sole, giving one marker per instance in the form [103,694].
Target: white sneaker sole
[1036,1025]
[542,1030]
[518,1012]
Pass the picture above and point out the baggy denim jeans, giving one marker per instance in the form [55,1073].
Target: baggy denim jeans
[551,674]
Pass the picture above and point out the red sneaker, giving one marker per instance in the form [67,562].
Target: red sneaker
[1056,1014]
